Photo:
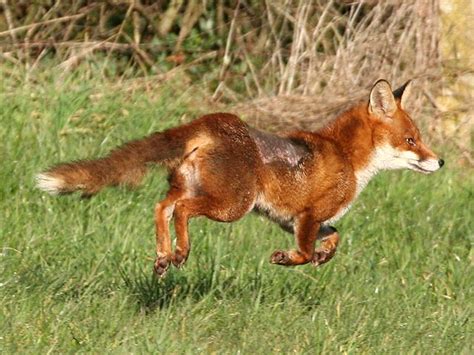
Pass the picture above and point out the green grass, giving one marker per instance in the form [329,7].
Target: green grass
[76,275]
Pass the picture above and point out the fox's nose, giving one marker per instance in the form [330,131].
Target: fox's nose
[441,162]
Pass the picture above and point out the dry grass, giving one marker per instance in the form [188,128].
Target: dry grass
[336,55]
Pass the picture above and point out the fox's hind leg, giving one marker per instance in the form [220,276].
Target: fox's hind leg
[329,240]
[217,209]
[184,210]
[163,213]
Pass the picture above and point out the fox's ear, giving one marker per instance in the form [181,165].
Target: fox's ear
[382,102]
[403,93]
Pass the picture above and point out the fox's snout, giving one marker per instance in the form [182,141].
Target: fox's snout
[428,166]
[428,162]
[421,159]
[396,158]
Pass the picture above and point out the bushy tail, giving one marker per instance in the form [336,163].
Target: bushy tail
[124,165]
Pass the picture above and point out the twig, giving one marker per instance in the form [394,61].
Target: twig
[140,52]
[169,16]
[119,33]
[68,44]
[194,9]
[8,17]
[226,59]
[75,59]
[13,31]
[172,72]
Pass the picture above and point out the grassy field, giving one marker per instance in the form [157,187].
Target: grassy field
[76,275]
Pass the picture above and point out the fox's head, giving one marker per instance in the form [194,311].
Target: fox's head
[396,136]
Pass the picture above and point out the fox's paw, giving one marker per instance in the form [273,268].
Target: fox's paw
[179,258]
[321,256]
[280,257]
[161,265]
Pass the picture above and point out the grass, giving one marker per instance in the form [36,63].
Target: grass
[76,275]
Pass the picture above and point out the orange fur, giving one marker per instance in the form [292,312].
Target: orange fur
[221,168]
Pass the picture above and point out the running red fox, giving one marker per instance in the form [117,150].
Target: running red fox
[221,168]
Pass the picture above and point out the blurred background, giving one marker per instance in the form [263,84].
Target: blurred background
[78,78]
[280,64]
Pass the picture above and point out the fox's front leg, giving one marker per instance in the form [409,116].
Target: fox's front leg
[329,240]
[306,229]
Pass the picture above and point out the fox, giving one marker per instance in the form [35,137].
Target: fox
[221,168]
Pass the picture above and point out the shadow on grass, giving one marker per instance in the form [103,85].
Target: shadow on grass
[152,293]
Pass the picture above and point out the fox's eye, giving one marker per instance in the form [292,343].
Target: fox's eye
[410,141]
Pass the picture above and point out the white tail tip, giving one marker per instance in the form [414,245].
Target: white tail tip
[49,183]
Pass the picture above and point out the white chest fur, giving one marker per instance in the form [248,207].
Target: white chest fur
[363,176]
